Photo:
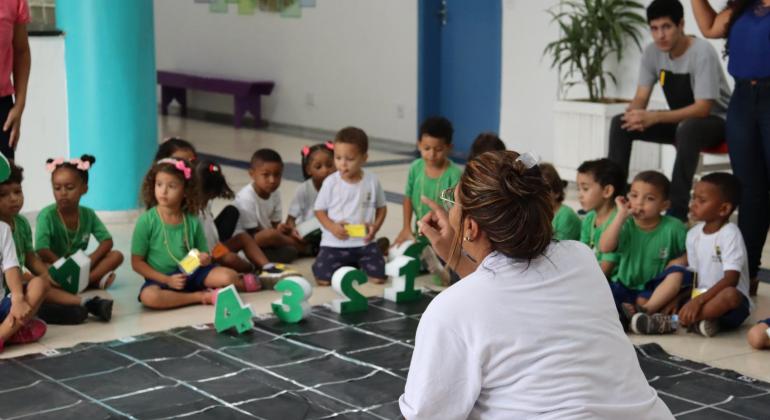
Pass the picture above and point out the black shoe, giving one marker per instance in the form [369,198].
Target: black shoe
[100,308]
[53,313]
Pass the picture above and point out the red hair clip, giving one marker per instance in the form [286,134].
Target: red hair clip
[213,168]
[329,144]
[305,151]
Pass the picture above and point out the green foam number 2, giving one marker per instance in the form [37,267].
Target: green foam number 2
[293,306]
[342,283]
[230,312]
[403,270]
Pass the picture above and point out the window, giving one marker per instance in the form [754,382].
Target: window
[42,13]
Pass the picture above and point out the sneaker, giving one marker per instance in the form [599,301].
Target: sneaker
[30,332]
[100,308]
[641,323]
[708,328]
[54,313]
[271,273]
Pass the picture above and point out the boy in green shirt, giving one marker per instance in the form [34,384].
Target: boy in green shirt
[645,240]
[566,223]
[60,307]
[432,173]
[599,183]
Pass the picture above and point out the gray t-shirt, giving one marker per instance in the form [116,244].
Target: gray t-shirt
[700,62]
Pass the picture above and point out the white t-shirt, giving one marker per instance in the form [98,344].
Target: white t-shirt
[711,255]
[8,258]
[520,340]
[256,212]
[209,227]
[302,207]
[350,203]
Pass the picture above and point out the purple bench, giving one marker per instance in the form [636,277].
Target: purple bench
[247,94]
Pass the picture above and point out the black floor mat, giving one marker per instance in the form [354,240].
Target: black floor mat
[329,366]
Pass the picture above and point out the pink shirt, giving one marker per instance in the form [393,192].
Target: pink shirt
[12,13]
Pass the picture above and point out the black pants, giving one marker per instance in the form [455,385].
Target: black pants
[6,103]
[689,137]
[748,138]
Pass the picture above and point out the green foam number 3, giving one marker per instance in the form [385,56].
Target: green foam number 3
[293,306]
[230,312]
[342,283]
[403,270]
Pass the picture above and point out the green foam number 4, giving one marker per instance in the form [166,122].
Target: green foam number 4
[72,272]
[403,270]
[293,306]
[230,312]
[342,283]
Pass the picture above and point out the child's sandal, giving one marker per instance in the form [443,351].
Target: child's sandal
[251,283]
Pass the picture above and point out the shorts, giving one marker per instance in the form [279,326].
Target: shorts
[368,258]
[622,294]
[195,281]
[733,318]
[5,307]
[6,103]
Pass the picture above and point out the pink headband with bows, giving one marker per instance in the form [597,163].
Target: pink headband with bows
[306,150]
[178,164]
[81,165]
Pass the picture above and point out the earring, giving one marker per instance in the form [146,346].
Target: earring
[468,239]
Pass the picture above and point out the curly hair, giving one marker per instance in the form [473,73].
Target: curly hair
[510,202]
[190,203]
[81,173]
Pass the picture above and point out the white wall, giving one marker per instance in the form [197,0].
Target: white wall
[44,130]
[345,62]
[530,87]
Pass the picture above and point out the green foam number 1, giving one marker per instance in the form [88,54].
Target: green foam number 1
[342,283]
[403,270]
[5,168]
[231,312]
[293,306]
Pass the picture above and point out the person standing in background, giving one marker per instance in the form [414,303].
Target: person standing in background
[15,60]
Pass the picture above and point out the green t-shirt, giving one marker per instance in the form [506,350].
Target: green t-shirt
[149,240]
[418,184]
[566,224]
[590,234]
[22,237]
[51,233]
[644,255]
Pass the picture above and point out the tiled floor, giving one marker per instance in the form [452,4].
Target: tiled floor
[728,350]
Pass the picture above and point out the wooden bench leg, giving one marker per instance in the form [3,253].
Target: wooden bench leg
[168,94]
[248,103]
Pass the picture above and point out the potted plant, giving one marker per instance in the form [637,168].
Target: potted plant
[592,32]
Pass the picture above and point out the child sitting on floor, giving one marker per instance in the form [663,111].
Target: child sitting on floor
[317,164]
[485,142]
[432,173]
[211,184]
[65,227]
[60,307]
[645,240]
[351,209]
[566,223]
[174,147]
[260,210]
[599,183]
[167,234]
[716,254]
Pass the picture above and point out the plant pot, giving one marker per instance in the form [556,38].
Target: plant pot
[581,133]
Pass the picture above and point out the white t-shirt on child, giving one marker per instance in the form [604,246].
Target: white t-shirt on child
[302,207]
[8,258]
[256,212]
[209,227]
[350,203]
[519,340]
[711,255]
